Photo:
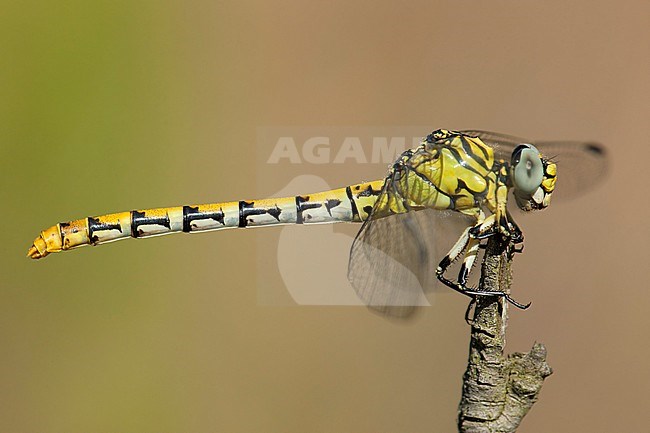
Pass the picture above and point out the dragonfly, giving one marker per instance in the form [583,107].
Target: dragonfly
[458,182]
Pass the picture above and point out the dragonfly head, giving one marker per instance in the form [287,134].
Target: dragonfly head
[532,177]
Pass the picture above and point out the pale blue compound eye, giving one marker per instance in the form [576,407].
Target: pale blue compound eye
[527,169]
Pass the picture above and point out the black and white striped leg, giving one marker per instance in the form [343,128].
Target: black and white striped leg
[465,269]
[468,243]
[468,261]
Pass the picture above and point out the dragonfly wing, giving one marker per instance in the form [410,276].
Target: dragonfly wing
[581,165]
[502,144]
[393,258]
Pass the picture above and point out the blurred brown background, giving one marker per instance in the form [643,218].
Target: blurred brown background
[110,106]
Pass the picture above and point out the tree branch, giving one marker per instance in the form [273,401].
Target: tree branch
[497,391]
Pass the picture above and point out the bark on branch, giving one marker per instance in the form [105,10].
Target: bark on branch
[498,391]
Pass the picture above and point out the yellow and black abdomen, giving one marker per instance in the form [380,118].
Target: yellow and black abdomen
[350,204]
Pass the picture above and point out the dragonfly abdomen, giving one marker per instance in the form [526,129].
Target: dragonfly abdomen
[350,204]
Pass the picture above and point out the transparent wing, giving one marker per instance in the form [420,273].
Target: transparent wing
[581,165]
[393,258]
[502,144]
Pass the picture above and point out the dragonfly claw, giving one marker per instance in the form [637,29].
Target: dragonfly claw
[515,303]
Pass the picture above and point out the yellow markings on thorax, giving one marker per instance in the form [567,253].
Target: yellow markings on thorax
[453,175]
[479,157]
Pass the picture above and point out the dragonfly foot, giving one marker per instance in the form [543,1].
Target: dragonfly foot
[475,232]
[469,321]
[517,304]
[474,292]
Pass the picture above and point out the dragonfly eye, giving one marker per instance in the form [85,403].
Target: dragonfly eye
[527,168]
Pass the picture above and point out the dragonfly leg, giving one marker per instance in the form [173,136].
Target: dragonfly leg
[471,244]
[468,312]
[460,246]
[472,248]
[484,229]
[489,228]
[517,236]
[471,322]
